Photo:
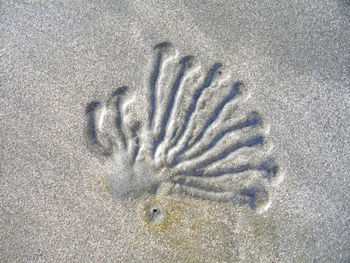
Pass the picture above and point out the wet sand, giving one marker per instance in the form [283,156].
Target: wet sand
[56,57]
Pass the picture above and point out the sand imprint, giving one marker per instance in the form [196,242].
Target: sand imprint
[195,140]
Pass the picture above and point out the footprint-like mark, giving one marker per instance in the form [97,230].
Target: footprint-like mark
[196,139]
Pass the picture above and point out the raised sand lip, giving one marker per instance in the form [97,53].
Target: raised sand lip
[58,56]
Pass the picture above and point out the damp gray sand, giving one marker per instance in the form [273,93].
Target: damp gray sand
[57,199]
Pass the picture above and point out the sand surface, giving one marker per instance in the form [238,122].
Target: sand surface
[57,56]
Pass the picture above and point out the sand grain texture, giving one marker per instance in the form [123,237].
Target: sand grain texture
[57,56]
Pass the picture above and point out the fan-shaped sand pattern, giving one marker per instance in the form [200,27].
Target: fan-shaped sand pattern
[195,141]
